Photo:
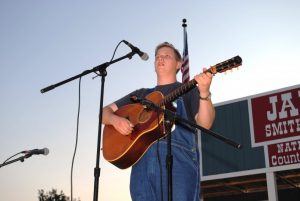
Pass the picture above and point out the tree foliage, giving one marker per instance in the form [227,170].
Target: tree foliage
[53,196]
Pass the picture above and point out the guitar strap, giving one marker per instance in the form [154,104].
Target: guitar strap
[150,90]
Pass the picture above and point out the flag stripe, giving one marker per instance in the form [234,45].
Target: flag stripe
[185,64]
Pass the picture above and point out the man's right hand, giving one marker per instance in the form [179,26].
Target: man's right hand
[122,125]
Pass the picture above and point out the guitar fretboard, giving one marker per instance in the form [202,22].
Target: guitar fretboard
[178,92]
[218,68]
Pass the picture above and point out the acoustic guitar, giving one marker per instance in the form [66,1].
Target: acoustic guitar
[124,151]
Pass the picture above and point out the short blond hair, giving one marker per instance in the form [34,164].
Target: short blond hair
[166,44]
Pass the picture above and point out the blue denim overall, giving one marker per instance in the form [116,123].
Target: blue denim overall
[146,174]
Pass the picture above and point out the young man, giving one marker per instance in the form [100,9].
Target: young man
[149,175]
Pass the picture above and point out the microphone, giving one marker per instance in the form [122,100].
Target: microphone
[44,151]
[143,55]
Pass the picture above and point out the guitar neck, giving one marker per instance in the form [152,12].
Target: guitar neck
[218,68]
[179,92]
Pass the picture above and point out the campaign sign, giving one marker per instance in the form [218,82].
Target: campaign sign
[276,116]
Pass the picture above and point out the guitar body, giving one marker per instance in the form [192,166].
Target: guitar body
[125,150]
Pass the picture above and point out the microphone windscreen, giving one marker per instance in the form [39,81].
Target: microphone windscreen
[145,56]
[46,151]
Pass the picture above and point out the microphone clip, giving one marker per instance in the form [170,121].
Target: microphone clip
[149,105]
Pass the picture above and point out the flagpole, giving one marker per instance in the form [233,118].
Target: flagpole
[185,55]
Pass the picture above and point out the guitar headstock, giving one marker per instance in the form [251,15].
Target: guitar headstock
[229,64]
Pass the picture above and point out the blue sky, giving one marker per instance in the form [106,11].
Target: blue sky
[45,42]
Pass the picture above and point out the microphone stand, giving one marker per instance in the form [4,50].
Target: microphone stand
[169,157]
[169,115]
[167,123]
[102,71]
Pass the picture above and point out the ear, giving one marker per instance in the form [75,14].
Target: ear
[178,66]
[179,63]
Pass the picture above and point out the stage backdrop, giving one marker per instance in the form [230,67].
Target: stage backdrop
[268,127]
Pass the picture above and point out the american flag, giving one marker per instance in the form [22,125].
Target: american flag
[185,57]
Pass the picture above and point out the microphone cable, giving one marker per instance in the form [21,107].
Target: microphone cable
[97,74]
[76,140]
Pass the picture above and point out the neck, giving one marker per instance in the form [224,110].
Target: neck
[166,80]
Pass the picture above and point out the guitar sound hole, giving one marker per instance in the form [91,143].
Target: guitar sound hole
[144,116]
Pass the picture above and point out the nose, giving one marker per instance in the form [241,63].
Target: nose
[159,58]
